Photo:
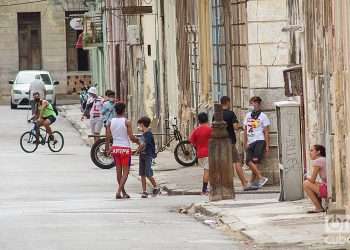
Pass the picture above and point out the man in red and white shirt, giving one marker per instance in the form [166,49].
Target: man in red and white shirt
[93,111]
[200,139]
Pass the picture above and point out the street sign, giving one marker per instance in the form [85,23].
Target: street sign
[76,23]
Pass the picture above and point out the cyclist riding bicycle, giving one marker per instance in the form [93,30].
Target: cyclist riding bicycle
[45,115]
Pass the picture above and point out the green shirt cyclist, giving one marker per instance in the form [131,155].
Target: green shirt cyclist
[45,115]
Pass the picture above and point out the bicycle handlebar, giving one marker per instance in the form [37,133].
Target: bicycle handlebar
[173,124]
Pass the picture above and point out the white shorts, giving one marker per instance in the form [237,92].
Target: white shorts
[96,125]
[204,163]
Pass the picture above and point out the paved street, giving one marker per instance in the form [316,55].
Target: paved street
[61,201]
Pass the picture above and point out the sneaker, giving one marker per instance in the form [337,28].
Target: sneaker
[144,195]
[262,182]
[206,193]
[51,138]
[156,191]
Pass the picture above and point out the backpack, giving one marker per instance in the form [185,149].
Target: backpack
[55,110]
[97,106]
[83,100]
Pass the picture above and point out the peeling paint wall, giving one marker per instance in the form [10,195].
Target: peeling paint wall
[341,92]
[171,67]
[185,15]
[325,51]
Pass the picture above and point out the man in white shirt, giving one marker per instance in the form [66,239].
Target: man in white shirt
[256,140]
[36,86]
[93,111]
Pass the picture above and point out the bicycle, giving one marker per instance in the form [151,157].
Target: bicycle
[29,144]
[184,153]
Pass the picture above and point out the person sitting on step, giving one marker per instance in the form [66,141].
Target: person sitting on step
[316,190]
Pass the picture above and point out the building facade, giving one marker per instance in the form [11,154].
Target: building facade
[45,41]
[180,58]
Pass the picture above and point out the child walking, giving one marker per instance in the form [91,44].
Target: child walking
[121,131]
[147,151]
[200,139]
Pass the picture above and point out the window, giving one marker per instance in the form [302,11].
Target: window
[77,58]
[29,40]
[29,76]
[219,50]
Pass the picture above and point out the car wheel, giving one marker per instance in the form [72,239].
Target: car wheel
[13,106]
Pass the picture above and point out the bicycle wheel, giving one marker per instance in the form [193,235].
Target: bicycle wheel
[185,153]
[28,142]
[56,145]
[98,155]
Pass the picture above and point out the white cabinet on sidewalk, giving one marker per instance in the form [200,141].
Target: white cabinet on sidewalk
[290,150]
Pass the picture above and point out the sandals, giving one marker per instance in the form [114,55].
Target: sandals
[119,196]
[126,196]
[315,211]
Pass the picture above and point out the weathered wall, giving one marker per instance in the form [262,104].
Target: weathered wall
[341,93]
[171,76]
[325,51]
[318,51]
[184,15]
[318,80]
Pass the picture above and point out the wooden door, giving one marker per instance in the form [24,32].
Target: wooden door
[29,42]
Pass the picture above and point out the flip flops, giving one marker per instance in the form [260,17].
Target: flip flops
[315,211]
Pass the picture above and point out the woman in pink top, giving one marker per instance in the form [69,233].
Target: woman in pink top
[317,190]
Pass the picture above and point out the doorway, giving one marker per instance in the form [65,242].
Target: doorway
[29,41]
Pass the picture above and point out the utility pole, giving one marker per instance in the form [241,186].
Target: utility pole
[220,160]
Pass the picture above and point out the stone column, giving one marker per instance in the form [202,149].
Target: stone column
[220,160]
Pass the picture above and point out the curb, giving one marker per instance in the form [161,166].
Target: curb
[220,218]
[182,192]
[238,228]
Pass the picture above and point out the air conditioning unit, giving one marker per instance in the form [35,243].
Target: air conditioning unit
[133,35]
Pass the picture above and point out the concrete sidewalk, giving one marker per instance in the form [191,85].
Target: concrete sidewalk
[172,177]
[270,224]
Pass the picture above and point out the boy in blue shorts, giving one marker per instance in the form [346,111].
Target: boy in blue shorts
[147,151]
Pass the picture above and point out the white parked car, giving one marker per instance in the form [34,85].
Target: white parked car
[20,87]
